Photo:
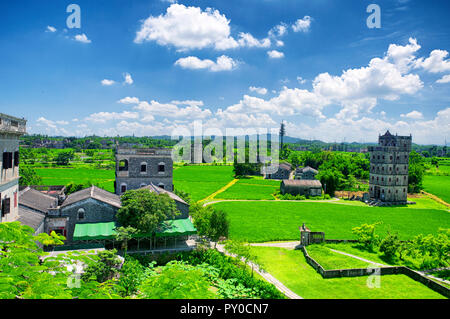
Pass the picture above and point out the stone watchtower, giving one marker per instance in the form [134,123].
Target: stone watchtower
[138,167]
[388,181]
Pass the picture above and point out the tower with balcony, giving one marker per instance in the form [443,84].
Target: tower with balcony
[388,180]
[11,128]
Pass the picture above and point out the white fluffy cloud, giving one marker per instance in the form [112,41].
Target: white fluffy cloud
[444,79]
[223,63]
[127,79]
[274,54]
[436,62]
[302,25]
[102,117]
[262,91]
[106,82]
[82,38]
[148,110]
[188,28]
[416,115]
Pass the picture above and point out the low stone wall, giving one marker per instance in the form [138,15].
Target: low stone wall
[391,270]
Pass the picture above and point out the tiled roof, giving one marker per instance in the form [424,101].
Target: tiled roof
[153,188]
[95,193]
[302,182]
[30,218]
[36,200]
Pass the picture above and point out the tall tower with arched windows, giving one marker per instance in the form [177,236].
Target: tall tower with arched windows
[388,180]
[139,167]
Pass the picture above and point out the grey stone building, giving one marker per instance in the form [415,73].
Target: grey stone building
[305,173]
[283,172]
[11,128]
[301,187]
[388,180]
[139,167]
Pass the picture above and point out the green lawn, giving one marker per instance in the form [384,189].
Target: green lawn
[251,188]
[331,260]
[63,176]
[352,248]
[280,220]
[290,267]
[201,181]
[438,185]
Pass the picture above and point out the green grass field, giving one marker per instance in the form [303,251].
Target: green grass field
[201,181]
[251,188]
[63,176]
[280,220]
[332,260]
[291,268]
[438,185]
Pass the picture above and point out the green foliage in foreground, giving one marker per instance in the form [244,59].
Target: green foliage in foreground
[198,274]
[291,268]
[279,220]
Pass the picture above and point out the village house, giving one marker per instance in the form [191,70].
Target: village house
[283,172]
[305,173]
[301,187]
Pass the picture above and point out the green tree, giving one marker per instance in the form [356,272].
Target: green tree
[210,222]
[389,246]
[28,176]
[104,266]
[366,237]
[145,210]
[124,234]
[177,281]
[330,180]
[63,158]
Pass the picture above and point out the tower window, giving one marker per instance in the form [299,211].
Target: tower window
[123,165]
[161,167]
[123,188]
[143,167]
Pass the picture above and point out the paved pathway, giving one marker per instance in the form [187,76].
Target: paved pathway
[356,257]
[287,244]
[278,284]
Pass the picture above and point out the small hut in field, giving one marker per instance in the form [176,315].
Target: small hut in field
[301,187]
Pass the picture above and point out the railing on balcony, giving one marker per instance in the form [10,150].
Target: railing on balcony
[11,124]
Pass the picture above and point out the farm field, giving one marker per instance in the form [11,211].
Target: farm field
[438,185]
[201,181]
[63,176]
[251,188]
[291,268]
[279,220]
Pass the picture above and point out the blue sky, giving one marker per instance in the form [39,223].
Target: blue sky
[150,67]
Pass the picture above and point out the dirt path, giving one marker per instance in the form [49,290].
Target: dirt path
[224,188]
[268,277]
